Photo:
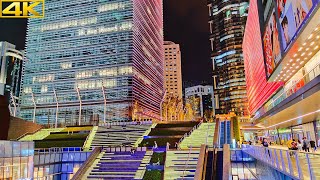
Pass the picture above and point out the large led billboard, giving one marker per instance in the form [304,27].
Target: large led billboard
[286,20]
[292,14]
[271,44]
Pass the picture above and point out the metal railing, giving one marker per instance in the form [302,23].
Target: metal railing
[187,163]
[298,165]
[189,133]
[87,164]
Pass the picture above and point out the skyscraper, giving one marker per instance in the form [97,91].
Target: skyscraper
[91,61]
[11,65]
[227,21]
[172,68]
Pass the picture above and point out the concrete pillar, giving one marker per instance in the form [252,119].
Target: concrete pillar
[226,162]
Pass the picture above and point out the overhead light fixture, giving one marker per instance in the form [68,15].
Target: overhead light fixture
[293,64]
[281,72]
[298,59]
[297,67]
[288,70]
[310,36]
[303,54]
[307,49]
[295,55]
[291,60]
[285,67]
[316,29]
[311,43]
[318,37]
[300,48]
[301,62]
[290,67]
[310,54]
[316,47]
[304,44]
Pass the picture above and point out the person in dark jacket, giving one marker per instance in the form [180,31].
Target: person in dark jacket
[313,145]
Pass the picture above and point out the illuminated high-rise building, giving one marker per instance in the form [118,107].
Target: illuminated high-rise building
[11,66]
[227,21]
[172,71]
[94,61]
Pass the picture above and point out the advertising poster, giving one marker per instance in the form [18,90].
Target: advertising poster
[271,44]
[292,14]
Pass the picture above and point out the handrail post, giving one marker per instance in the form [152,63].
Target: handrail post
[289,163]
[311,173]
[276,158]
[300,175]
[282,162]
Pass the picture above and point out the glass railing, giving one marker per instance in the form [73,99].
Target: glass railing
[298,165]
[285,93]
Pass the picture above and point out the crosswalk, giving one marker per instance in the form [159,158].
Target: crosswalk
[202,135]
[181,164]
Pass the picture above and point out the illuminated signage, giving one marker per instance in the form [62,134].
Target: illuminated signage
[271,44]
[21,8]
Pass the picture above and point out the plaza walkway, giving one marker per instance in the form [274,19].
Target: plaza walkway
[300,165]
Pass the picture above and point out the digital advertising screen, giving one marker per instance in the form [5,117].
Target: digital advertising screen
[271,44]
[292,15]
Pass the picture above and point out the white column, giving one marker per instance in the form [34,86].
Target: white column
[57,108]
[80,103]
[34,108]
[105,105]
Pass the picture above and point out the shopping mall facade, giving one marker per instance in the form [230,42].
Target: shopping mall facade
[282,63]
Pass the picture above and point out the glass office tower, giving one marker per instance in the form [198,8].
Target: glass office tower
[90,61]
[227,20]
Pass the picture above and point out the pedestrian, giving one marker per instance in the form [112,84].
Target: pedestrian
[299,145]
[294,147]
[313,146]
[176,145]
[289,144]
[306,145]
[265,144]
[319,142]
[155,145]
[168,145]
[238,144]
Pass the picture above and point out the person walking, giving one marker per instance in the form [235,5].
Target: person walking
[265,144]
[299,145]
[294,147]
[306,145]
[313,146]
[289,144]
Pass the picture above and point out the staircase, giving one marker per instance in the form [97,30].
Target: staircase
[119,165]
[118,135]
[43,133]
[181,164]
[202,135]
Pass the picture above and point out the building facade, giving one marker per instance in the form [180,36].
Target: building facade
[282,63]
[172,68]
[201,99]
[226,22]
[91,61]
[11,67]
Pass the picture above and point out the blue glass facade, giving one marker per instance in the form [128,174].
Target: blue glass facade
[92,60]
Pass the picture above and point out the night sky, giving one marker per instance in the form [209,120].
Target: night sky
[185,23]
